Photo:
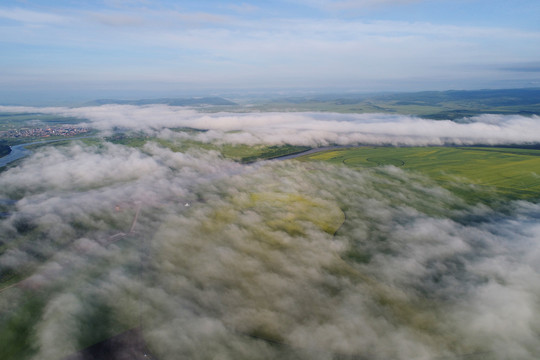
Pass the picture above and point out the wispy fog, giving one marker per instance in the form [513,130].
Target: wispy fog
[213,259]
[313,129]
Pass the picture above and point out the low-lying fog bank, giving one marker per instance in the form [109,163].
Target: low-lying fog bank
[311,129]
[213,259]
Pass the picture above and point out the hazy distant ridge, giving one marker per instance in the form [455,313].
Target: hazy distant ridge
[487,96]
[215,100]
[498,97]
[450,104]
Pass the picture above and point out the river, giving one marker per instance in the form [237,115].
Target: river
[20,151]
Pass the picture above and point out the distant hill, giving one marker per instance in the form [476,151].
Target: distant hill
[451,104]
[165,101]
[500,97]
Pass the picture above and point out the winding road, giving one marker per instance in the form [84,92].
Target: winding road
[311,151]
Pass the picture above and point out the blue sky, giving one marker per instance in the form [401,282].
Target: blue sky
[206,45]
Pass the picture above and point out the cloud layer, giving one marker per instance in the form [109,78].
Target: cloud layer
[103,240]
[313,129]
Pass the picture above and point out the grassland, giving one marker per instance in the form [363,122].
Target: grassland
[439,105]
[294,209]
[477,173]
[239,152]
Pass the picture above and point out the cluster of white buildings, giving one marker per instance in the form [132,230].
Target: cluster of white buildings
[45,132]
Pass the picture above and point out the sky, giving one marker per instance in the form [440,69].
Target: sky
[142,47]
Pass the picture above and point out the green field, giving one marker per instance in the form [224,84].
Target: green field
[238,152]
[438,105]
[293,209]
[474,172]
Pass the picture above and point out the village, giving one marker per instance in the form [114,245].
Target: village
[66,130]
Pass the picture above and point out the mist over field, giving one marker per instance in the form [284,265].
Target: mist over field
[282,259]
[311,129]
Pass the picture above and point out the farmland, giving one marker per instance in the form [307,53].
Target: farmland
[436,105]
[479,173]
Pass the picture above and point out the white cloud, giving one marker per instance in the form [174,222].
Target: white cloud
[216,278]
[223,49]
[356,4]
[312,129]
[117,19]
[32,17]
